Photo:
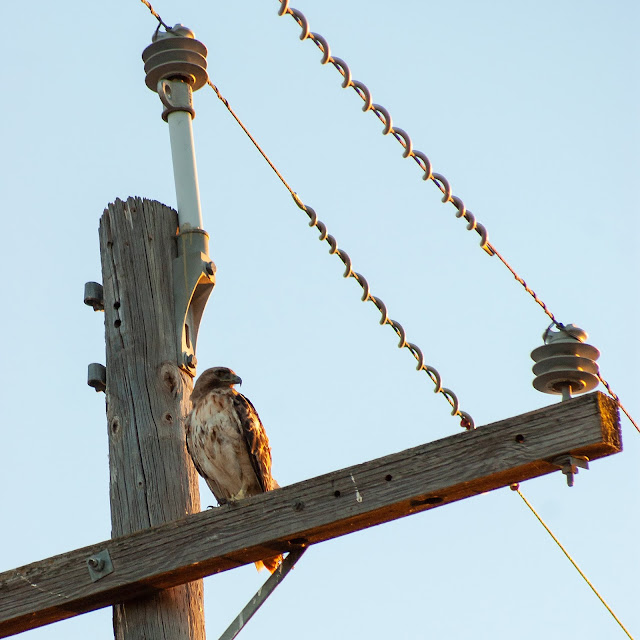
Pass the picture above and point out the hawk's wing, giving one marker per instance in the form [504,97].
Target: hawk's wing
[256,439]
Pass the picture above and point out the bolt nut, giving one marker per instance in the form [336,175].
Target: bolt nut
[97,564]
[210,268]
[190,360]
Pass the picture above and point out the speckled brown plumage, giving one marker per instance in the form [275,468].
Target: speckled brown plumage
[227,442]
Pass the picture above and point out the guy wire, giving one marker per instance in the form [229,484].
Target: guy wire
[516,488]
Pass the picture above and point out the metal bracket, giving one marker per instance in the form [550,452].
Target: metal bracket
[97,376]
[99,565]
[193,282]
[94,295]
[569,464]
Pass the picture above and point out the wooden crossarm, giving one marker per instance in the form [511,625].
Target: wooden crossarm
[331,505]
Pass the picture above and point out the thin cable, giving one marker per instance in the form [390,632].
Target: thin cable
[225,102]
[516,488]
[466,421]
[421,160]
[154,13]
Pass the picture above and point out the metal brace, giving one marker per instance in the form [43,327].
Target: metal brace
[263,593]
[569,464]
[193,281]
[99,565]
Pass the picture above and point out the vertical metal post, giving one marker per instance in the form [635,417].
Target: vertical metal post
[185,172]
[175,66]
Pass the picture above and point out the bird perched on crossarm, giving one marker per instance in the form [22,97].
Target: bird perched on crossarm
[227,442]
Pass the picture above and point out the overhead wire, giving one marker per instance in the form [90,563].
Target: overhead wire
[424,163]
[155,14]
[466,421]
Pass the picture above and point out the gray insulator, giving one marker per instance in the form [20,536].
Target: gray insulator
[565,364]
[176,54]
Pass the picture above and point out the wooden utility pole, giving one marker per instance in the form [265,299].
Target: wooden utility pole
[152,479]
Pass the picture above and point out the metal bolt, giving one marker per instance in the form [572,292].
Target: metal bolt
[569,465]
[190,360]
[99,565]
[210,268]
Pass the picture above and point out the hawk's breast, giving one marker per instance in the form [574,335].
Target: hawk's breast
[217,444]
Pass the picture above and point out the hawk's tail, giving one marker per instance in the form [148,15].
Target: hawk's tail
[271,564]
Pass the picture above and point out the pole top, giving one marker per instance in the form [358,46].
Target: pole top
[176,55]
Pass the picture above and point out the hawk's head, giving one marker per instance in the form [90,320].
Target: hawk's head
[214,378]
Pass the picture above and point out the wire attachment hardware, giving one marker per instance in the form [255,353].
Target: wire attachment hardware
[565,364]
[569,465]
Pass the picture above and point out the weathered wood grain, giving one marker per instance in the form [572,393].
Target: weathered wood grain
[152,478]
[308,512]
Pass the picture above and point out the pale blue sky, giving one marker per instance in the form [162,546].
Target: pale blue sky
[529,109]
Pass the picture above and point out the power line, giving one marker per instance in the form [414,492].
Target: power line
[516,488]
[324,236]
[466,421]
[438,179]
[155,14]
[424,163]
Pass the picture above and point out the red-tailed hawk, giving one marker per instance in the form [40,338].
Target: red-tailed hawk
[227,442]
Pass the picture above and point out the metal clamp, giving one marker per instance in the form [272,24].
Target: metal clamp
[193,282]
[569,464]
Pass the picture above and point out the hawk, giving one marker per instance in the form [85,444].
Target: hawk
[227,442]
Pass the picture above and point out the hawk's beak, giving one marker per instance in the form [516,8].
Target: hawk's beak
[236,379]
